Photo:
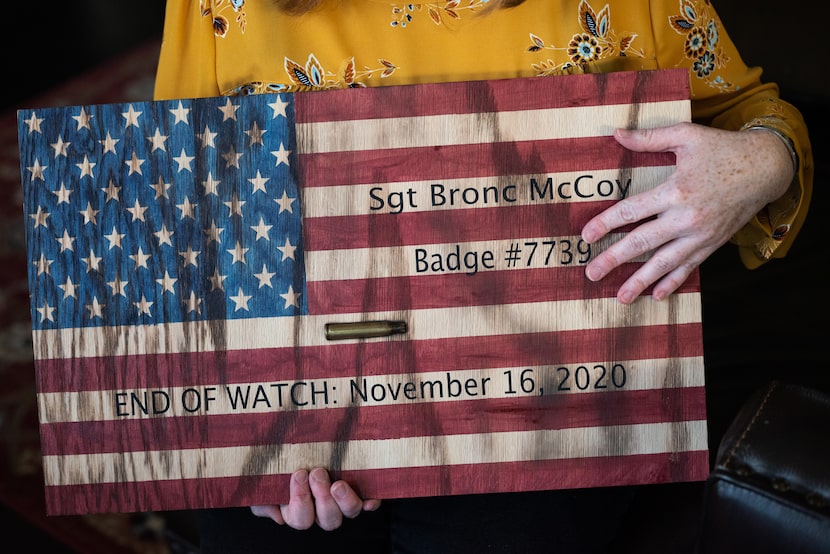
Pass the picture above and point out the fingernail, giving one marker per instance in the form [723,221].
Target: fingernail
[592,273]
[338,490]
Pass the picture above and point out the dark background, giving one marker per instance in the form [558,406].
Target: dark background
[47,43]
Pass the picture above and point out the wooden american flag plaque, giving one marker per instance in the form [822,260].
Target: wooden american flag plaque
[189,256]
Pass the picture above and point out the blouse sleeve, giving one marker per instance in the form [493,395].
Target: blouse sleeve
[187,61]
[728,94]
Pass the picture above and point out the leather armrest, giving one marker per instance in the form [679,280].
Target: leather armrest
[770,488]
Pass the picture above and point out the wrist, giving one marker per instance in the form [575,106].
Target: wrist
[783,138]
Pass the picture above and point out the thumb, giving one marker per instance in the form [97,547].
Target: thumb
[659,139]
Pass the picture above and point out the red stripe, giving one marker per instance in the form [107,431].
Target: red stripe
[440,163]
[459,289]
[451,226]
[373,358]
[386,230]
[389,483]
[490,415]
[490,96]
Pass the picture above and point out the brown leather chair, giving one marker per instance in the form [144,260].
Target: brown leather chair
[769,491]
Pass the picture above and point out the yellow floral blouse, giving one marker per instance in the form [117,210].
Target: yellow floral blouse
[230,47]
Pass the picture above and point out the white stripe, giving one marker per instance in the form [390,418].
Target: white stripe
[380,390]
[417,196]
[468,258]
[281,332]
[478,128]
[622,440]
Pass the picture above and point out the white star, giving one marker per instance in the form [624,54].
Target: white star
[86,167]
[69,289]
[40,217]
[112,191]
[235,205]
[62,194]
[140,258]
[255,134]
[60,147]
[157,141]
[285,202]
[180,113]
[259,182]
[131,116]
[37,170]
[291,298]
[184,161]
[211,185]
[42,265]
[228,110]
[238,253]
[241,300]
[264,277]
[114,238]
[82,119]
[34,123]
[193,303]
[287,250]
[281,155]
[92,261]
[261,230]
[161,188]
[46,312]
[278,106]
[66,242]
[164,235]
[213,232]
[109,143]
[187,209]
[90,214]
[189,256]
[207,137]
[217,281]
[118,286]
[135,164]
[137,211]
[167,283]
[143,306]
[95,309]
[231,157]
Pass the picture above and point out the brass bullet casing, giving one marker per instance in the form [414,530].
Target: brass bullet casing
[364,329]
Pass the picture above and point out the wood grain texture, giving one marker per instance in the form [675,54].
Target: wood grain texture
[194,371]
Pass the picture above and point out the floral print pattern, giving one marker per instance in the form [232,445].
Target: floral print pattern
[700,29]
[312,76]
[596,40]
[220,11]
[403,14]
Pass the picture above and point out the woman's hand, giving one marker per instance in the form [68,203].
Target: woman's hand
[313,498]
[722,179]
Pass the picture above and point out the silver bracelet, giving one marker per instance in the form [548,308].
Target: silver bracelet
[784,138]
